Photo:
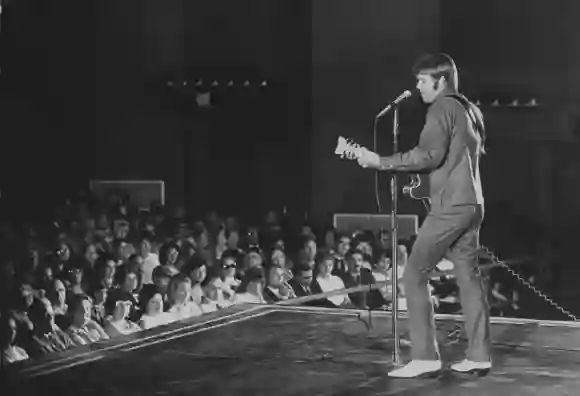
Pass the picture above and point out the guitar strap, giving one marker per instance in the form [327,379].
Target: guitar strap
[476,121]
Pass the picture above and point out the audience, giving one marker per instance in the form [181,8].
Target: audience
[106,269]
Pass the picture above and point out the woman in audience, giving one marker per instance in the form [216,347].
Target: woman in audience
[77,284]
[168,255]
[326,282]
[150,259]
[117,324]
[252,287]
[127,290]
[82,329]
[226,281]
[10,351]
[45,328]
[99,296]
[57,296]
[154,314]
[197,272]
[181,305]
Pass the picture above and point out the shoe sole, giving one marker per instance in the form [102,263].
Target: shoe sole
[427,375]
[478,372]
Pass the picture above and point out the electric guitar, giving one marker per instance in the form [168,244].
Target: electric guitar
[416,189]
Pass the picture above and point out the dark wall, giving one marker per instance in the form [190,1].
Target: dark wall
[362,54]
[88,100]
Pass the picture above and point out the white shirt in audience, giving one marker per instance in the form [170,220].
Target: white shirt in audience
[115,328]
[249,298]
[330,283]
[160,319]
[149,264]
[184,311]
[14,354]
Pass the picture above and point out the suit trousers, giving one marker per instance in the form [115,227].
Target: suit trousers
[452,233]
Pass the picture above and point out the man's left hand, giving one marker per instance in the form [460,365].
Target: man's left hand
[369,159]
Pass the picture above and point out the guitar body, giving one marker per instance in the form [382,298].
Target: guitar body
[418,187]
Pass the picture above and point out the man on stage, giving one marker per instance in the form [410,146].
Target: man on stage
[449,149]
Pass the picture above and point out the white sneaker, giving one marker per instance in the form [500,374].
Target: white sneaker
[418,369]
[470,367]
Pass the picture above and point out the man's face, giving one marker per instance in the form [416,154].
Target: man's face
[428,87]
[305,278]
[27,295]
[60,291]
[162,283]
[310,249]
[356,262]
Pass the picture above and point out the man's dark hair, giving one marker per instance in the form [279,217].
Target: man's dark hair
[437,66]
[352,252]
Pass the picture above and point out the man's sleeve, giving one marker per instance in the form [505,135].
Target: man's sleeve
[432,147]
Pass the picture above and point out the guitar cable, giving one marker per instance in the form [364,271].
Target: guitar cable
[377,198]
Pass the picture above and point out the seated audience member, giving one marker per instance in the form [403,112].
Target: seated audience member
[22,311]
[117,324]
[227,280]
[129,282]
[196,270]
[327,282]
[303,285]
[82,329]
[357,276]
[8,331]
[161,279]
[342,248]
[153,313]
[214,298]
[276,289]
[301,281]
[278,257]
[251,288]
[181,305]
[76,281]
[99,297]
[45,328]
[150,260]
[57,295]
[168,255]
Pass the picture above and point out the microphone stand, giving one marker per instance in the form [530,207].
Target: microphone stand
[395,244]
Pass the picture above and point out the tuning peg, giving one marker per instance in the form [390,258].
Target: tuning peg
[515,103]
[230,83]
[495,103]
[215,83]
[264,84]
[477,102]
[199,83]
[246,83]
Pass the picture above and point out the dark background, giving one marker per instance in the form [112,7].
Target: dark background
[84,96]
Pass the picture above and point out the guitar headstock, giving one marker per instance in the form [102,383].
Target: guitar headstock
[347,148]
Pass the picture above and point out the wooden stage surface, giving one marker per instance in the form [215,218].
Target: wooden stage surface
[286,350]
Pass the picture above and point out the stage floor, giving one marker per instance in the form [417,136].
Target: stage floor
[278,351]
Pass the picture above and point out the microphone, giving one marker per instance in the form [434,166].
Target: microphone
[394,103]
